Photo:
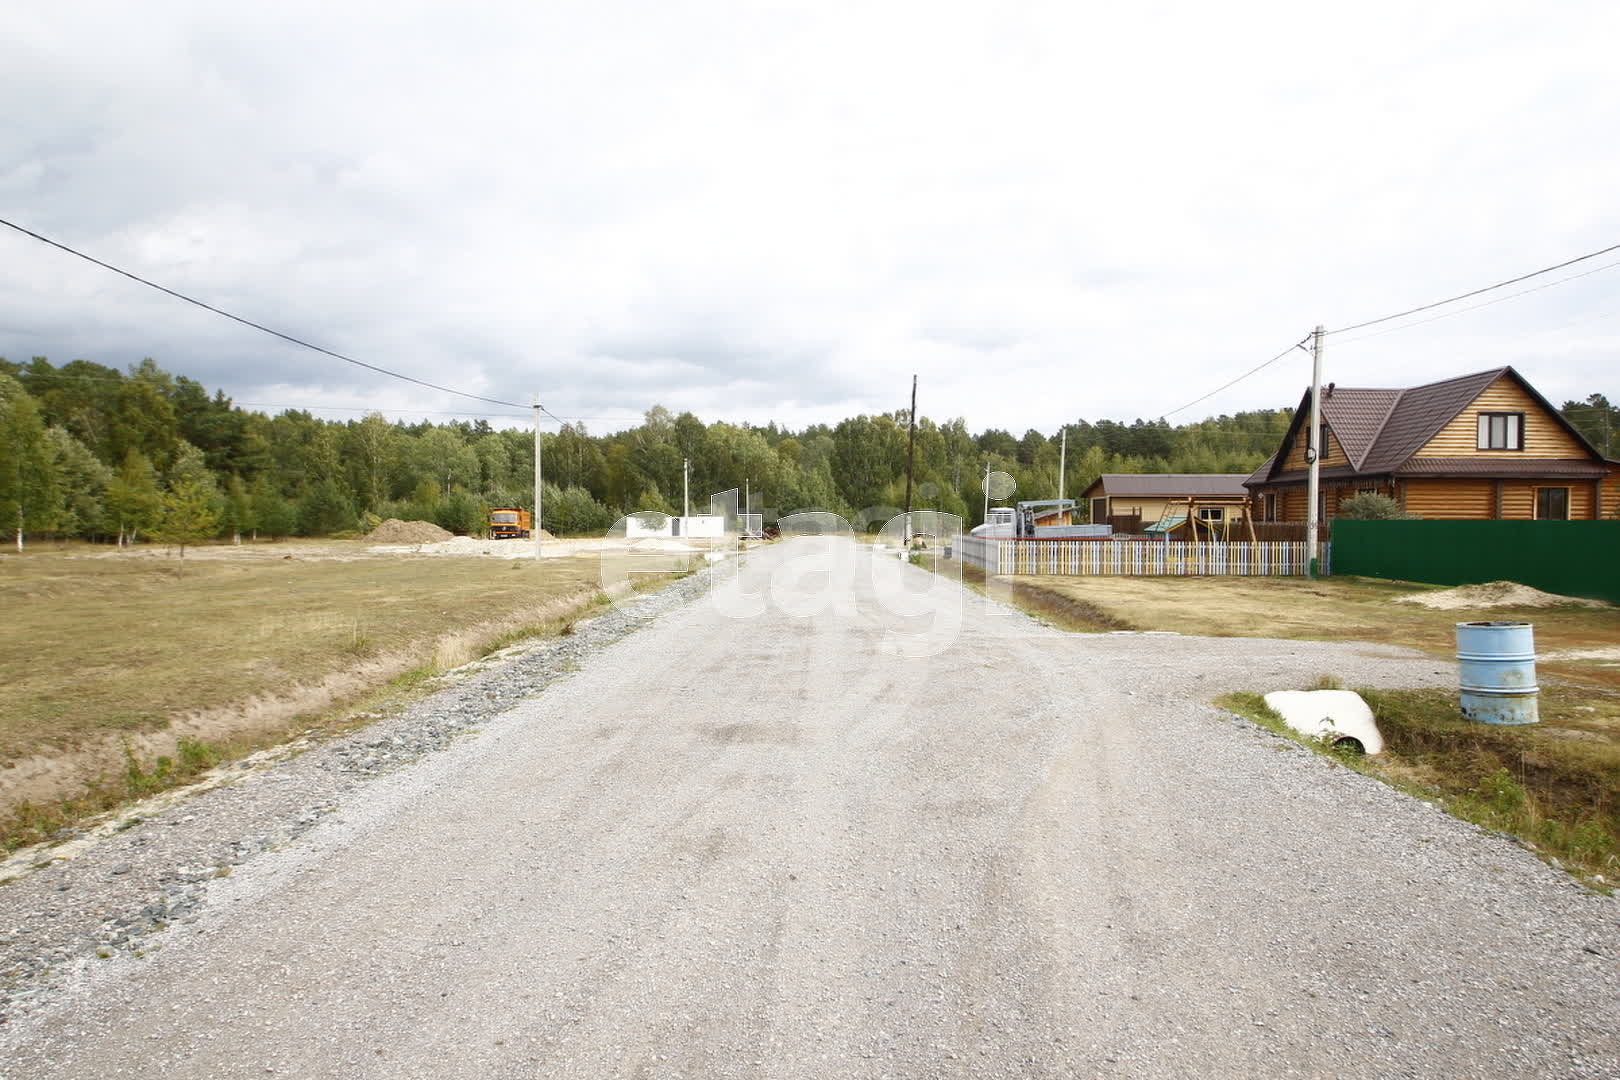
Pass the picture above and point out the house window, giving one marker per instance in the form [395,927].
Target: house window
[1212,513]
[1501,431]
[1321,443]
[1552,504]
[1269,506]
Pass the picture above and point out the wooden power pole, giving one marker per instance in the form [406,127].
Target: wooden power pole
[1313,454]
[911,455]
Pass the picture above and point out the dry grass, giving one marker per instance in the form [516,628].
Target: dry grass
[112,664]
[1066,610]
[1333,609]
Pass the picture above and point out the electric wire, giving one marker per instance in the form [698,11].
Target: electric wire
[375,409]
[250,323]
[1427,307]
[26,374]
[1477,292]
[1234,382]
[1485,304]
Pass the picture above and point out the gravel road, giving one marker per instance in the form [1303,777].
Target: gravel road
[820,841]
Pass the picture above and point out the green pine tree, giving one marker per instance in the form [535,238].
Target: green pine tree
[188,516]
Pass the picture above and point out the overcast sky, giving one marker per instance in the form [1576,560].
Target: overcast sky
[780,211]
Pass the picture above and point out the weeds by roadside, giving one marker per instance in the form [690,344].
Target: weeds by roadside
[1066,611]
[1555,785]
[32,823]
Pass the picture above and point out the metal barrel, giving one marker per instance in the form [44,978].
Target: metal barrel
[1496,672]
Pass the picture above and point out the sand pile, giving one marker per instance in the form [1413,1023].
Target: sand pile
[466,545]
[1495,594]
[395,531]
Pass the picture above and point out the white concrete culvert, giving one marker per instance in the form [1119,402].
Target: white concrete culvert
[765,848]
[1340,718]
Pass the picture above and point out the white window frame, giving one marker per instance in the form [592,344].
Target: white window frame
[1213,514]
[1500,431]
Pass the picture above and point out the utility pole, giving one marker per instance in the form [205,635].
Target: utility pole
[686,487]
[1063,459]
[911,456]
[540,478]
[1313,452]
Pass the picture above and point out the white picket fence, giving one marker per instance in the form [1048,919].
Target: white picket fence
[1148,558]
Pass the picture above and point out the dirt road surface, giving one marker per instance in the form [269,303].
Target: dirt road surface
[820,841]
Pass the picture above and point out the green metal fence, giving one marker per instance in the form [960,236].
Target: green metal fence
[1572,558]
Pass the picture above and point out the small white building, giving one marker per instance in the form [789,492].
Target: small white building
[648,526]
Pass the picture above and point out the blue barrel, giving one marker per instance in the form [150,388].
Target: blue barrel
[1496,672]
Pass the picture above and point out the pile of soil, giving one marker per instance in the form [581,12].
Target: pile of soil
[1495,594]
[395,531]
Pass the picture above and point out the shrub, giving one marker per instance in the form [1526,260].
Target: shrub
[462,512]
[1371,506]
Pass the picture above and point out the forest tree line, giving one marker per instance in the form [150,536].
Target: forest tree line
[92,452]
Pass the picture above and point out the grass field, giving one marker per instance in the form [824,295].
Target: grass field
[110,661]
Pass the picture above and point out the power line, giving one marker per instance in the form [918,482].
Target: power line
[249,322]
[1476,307]
[25,374]
[374,409]
[1422,308]
[1476,292]
[1237,380]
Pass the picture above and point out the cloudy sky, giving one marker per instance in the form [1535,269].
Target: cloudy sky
[780,211]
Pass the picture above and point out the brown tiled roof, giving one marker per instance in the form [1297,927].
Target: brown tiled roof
[1356,416]
[1299,476]
[1381,429]
[1480,468]
[1534,468]
[1418,415]
[1161,485]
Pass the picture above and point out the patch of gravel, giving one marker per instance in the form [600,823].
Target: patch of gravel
[110,889]
[502,548]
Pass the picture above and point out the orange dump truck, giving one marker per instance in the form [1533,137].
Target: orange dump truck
[509,523]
